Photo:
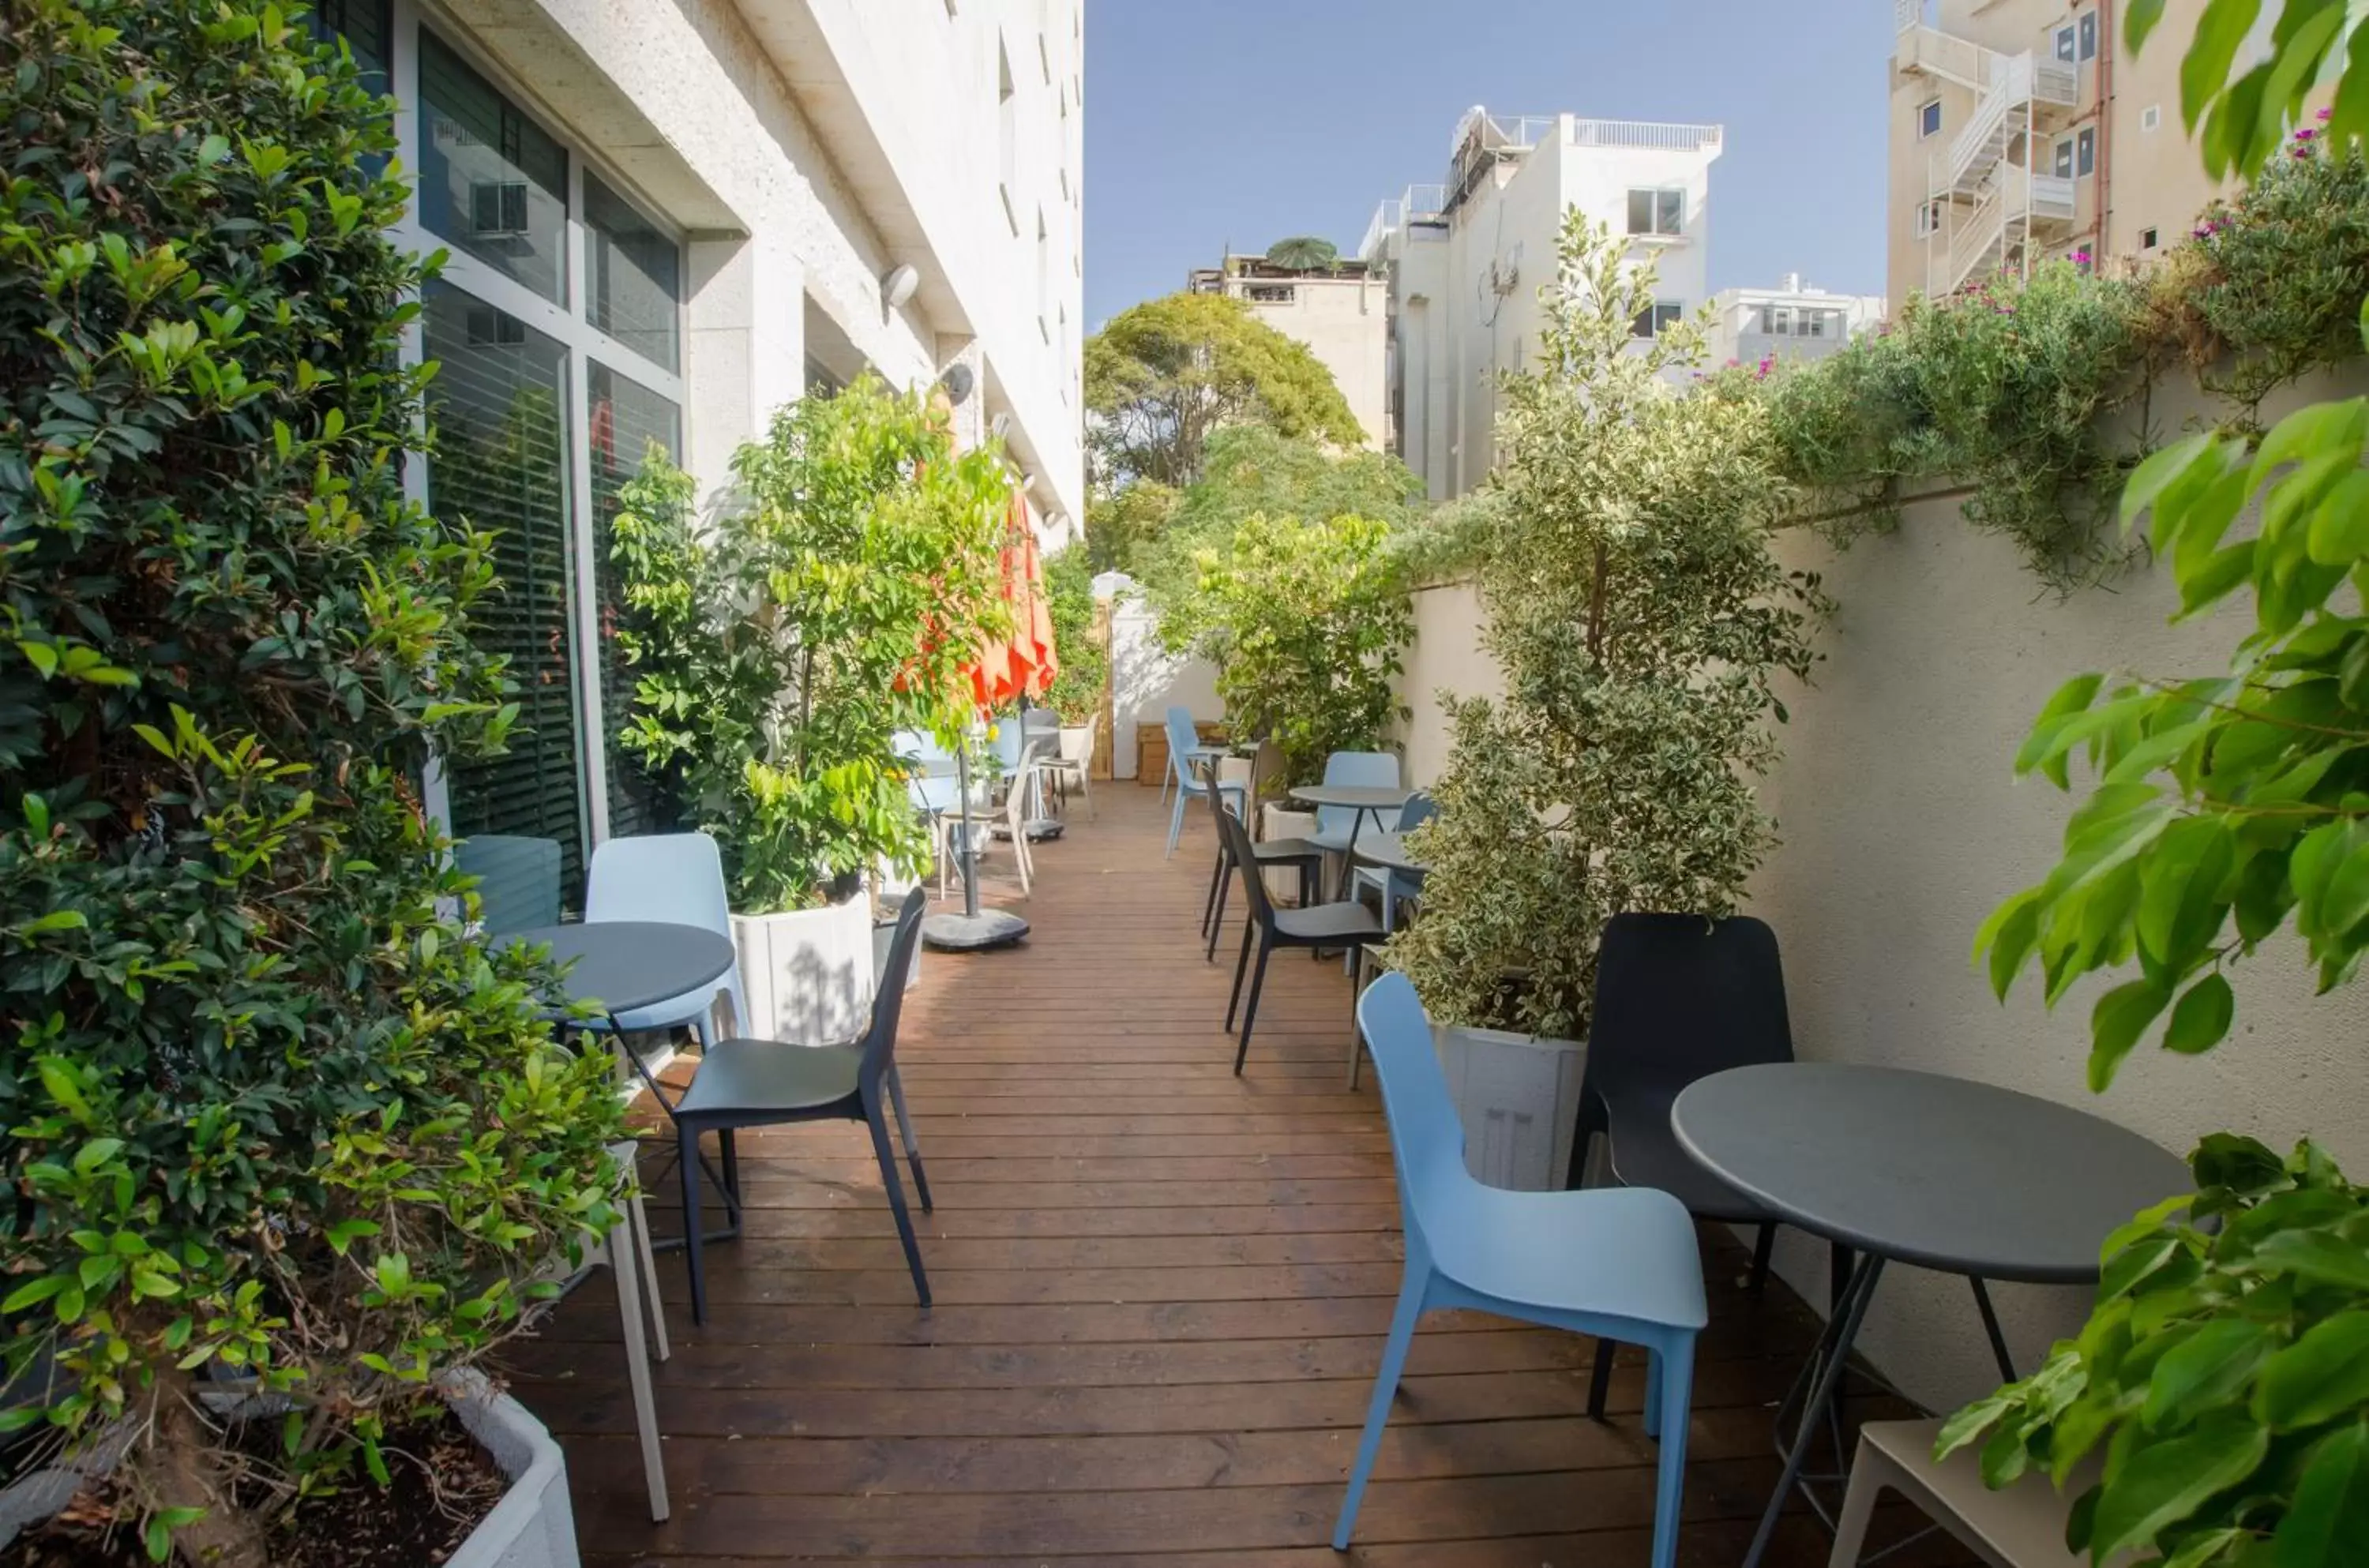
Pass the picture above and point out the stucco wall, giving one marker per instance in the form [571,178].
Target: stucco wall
[1146,681]
[1446,656]
[1903,826]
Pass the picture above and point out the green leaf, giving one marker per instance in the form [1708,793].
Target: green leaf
[2205,70]
[34,1292]
[2120,1016]
[2340,524]
[2322,1375]
[2160,469]
[2327,1525]
[2009,935]
[2164,1482]
[2210,1367]
[2202,1019]
[2318,1256]
[2139,20]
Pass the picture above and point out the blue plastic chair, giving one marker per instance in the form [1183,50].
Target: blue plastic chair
[1179,721]
[1392,885]
[1186,754]
[676,878]
[518,880]
[1618,1262]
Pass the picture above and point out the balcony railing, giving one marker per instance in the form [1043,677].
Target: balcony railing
[1646,135]
[1415,204]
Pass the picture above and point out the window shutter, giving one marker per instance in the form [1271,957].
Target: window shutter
[626,417]
[500,465]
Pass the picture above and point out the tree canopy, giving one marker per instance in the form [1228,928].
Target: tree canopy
[1164,375]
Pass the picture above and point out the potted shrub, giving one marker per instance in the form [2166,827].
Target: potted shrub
[832,604]
[277,1129]
[1083,650]
[1633,603]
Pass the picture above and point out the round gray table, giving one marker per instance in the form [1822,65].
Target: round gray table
[625,966]
[1389,852]
[622,966]
[1943,1173]
[1363,799]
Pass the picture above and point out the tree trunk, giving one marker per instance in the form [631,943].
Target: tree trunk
[186,1464]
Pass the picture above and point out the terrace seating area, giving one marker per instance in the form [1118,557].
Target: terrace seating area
[1160,1294]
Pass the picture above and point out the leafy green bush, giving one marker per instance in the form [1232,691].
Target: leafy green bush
[1639,617]
[1303,622]
[777,656]
[2221,1375]
[269,1113]
[1077,693]
[1251,469]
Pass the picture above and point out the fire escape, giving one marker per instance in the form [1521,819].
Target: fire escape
[1994,209]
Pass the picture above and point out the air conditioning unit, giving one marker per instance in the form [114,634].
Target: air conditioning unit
[497,209]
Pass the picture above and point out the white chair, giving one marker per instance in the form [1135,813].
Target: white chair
[1074,762]
[2020,1527]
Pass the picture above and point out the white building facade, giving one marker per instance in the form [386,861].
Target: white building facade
[1465,261]
[665,222]
[1793,321]
[1340,313]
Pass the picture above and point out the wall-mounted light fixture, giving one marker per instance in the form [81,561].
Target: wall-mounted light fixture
[956,384]
[897,285]
[1000,426]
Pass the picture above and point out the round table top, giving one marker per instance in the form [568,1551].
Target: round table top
[1364,797]
[1943,1173]
[622,965]
[1389,852]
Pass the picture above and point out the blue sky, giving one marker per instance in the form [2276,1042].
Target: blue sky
[1211,123]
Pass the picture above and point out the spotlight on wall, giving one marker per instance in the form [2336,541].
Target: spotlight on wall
[898,284]
[1028,479]
[956,384]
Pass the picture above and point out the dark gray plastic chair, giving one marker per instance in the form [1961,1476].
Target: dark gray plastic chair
[1316,927]
[1309,858]
[1677,997]
[745,1084]
[518,880]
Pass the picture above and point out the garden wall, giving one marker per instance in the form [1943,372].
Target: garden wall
[1902,825]
[1146,680]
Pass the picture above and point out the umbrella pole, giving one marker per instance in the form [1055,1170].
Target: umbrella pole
[974,929]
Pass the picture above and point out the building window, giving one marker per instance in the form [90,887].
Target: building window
[1007,135]
[1658,318]
[1044,278]
[491,181]
[2151,117]
[2085,157]
[1661,210]
[633,277]
[2087,23]
[498,405]
[1271,293]
[1929,218]
[2148,240]
[627,422]
[2067,43]
[367,27]
[2064,157]
[1929,117]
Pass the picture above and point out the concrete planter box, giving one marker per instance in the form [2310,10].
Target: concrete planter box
[1518,1096]
[533,1526]
[808,974]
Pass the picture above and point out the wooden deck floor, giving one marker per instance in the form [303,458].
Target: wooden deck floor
[1161,1292]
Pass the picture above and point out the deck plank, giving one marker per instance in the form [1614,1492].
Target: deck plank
[1161,1296]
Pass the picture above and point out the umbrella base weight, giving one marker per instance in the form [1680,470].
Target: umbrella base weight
[1043,827]
[972,933]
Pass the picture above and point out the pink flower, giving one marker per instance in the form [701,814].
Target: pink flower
[2305,134]
[2325,115]
[2080,259]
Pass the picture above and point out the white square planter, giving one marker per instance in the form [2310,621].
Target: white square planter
[808,974]
[1518,1096]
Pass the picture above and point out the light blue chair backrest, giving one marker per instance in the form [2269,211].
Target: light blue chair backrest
[1419,808]
[676,878]
[1182,737]
[1426,1134]
[1372,770]
[1011,741]
[518,880]
[922,748]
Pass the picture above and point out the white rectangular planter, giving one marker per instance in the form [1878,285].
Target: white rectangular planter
[1518,1096]
[533,1526]
[808,974]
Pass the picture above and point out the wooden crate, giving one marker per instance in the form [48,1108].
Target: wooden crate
[1150,754]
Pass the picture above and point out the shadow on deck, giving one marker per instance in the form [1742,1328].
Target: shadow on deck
[1161,1292]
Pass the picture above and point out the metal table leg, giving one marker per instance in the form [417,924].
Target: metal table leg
[730,1231]
[1823,1376]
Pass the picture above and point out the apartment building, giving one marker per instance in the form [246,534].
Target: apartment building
[1339,311]
[1791,321]
[1464,261]
[2025,128]
[666,221]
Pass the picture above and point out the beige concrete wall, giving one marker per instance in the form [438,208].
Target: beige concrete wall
[1343,322]
[1446,656]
